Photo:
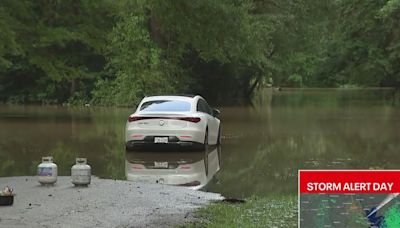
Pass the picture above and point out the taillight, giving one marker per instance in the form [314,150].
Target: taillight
[134,118]
[190,119]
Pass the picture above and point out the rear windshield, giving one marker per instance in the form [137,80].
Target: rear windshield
[165,106]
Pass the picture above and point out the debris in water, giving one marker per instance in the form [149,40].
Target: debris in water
[233,200]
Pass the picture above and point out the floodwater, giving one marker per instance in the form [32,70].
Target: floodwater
[263,145]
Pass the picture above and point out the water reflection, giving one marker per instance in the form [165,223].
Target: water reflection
[265,145]
[193,169]
[29,132]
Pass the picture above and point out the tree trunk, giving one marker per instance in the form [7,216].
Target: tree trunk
[73,87]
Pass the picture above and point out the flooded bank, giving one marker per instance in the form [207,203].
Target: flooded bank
[263,145]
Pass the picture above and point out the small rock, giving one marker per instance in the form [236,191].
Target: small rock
[50,195]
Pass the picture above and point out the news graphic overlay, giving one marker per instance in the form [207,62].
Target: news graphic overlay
[349,198]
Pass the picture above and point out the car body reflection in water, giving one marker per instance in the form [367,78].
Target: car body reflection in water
[193,169]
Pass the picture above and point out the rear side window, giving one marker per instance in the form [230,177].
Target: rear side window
[202,106]
[165,106]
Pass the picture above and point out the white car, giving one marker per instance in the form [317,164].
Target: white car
[170,121]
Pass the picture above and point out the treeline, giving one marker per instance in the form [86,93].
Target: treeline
[109,52]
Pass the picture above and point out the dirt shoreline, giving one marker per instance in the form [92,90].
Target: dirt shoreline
[105,203]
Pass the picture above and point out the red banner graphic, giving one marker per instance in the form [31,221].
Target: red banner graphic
[349,181]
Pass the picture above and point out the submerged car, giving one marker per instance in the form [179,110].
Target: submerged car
[173,121]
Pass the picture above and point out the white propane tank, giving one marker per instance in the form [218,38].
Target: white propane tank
[47,171]
[81,172]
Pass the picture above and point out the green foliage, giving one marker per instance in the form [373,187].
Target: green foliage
[223,31]
[114,53]
[390,8]
[296,80]
[367,43]
[135,61]
[50,48]
[8,44]
[222,45]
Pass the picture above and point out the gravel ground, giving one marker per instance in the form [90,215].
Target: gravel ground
[105,203]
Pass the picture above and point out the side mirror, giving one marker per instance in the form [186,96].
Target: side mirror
[216,112]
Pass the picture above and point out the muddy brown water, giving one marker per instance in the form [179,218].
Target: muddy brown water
[263,145]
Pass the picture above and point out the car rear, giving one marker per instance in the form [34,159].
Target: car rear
[165,122]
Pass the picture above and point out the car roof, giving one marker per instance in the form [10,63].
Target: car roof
[189,98]
[174,95]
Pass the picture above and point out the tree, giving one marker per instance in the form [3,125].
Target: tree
[51,49]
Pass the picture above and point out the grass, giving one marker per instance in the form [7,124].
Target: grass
[280,211]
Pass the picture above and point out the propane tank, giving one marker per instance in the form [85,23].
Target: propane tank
[47,171]
[81,172]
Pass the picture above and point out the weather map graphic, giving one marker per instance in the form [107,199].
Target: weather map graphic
[348,210]
[334,205]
